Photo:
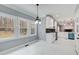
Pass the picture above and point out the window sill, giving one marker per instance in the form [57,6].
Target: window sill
[15,38]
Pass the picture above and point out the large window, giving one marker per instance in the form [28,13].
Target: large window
[12,27]
[6,27]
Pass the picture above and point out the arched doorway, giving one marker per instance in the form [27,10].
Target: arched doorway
[51,29]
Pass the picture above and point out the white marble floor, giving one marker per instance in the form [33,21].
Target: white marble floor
[60,47]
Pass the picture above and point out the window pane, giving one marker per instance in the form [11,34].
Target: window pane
[23,27]
[32,27]
[6,27]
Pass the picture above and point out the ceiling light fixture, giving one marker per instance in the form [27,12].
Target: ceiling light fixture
[37,20]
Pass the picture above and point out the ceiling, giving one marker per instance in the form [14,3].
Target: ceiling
[60,11]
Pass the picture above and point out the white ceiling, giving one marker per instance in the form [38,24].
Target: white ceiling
[60,11]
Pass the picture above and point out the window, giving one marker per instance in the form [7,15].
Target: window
[23,27]
[6,27]
[27,27]
[32,27]
[12,27]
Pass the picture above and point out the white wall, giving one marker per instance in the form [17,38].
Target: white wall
[76,33]
[49,22]
[41,29]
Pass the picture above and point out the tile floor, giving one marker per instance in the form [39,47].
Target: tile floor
[62,46]
[65,47]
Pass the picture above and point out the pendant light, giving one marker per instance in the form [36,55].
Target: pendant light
[37,20]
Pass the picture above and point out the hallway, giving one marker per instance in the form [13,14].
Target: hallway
[39,29]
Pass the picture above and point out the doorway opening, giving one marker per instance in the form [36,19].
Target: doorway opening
[56,30]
